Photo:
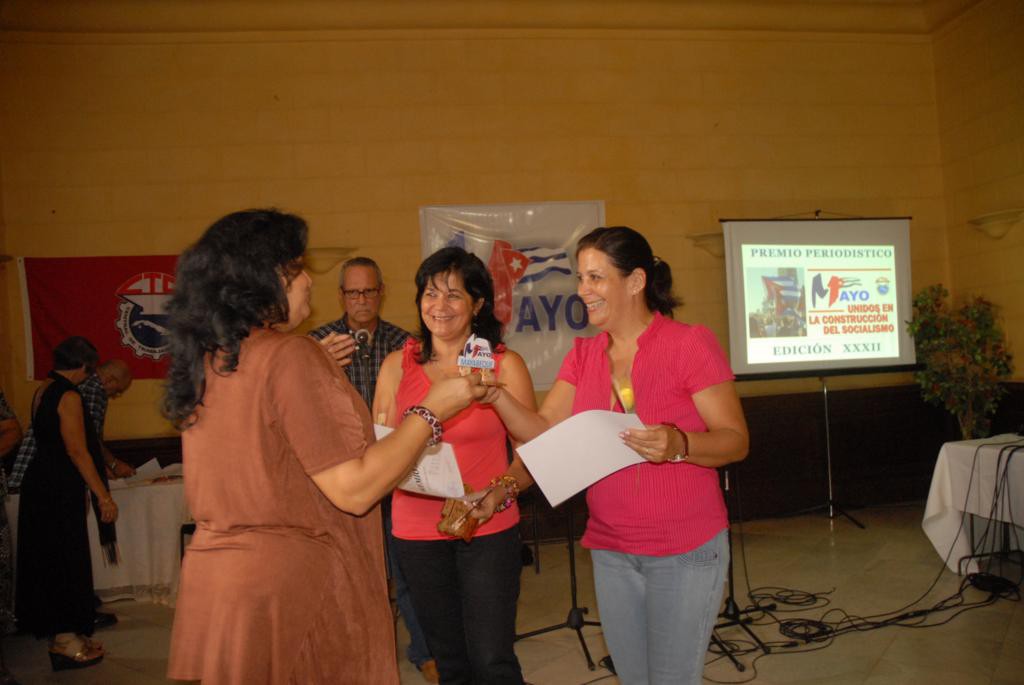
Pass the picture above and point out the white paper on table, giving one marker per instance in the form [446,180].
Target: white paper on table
[175,469]
[578,452]
[436,473]
[146,473]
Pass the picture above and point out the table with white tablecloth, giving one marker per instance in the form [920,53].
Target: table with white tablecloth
[150,516]
[963,484]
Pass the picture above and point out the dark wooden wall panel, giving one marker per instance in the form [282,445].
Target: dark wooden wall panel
[140,450]
[884,442]
[785,470]
[1010,417]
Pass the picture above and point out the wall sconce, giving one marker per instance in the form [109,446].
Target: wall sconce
[320,260]
[712,243]
[997,224]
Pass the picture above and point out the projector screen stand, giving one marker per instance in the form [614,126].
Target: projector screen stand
[833,508]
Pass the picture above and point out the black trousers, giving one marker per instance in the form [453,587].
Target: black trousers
[465,597]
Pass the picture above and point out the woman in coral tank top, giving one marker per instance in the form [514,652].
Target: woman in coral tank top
[464,592]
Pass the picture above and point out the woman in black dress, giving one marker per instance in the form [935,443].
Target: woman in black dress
[54,593]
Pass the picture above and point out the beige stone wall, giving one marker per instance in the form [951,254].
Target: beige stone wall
[131,143]
[979,67]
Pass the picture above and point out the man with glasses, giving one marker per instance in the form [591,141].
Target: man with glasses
[360,294]
[359,341]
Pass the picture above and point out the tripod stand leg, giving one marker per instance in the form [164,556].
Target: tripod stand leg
[724,648]
[586,651]
[835,511]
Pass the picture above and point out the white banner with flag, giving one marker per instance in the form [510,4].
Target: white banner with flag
[530,251]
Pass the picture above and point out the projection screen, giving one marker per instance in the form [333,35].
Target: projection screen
[818,296]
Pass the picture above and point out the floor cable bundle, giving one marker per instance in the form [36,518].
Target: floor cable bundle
[775,606]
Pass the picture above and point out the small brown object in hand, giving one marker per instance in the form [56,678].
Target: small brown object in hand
[487,376]
[455,519]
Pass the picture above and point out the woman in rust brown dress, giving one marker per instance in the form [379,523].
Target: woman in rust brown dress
[284,579]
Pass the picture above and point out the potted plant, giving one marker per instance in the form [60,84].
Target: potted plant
[964,358]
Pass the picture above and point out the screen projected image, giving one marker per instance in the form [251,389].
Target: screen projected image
[782,312]
[851,312]
[818,296]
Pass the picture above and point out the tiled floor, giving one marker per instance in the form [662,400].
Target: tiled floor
[871,571]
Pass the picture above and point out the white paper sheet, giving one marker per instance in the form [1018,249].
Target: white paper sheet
[436,473]
[147,473]
[578,452]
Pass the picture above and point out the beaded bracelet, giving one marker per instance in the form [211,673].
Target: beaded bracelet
[431,419]
[511,486]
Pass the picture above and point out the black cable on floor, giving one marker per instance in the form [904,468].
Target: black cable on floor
[821,632]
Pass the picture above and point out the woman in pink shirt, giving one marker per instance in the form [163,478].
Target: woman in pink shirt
[656,531]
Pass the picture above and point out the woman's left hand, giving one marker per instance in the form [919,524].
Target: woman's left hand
[486,505]
[654,443]
[108,509]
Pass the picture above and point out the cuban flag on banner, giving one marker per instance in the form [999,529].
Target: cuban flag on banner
[783,291]
[545,261]
[529,250]
[507,266]
[116,302]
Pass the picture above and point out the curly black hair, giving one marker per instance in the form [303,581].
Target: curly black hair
[478,283]
[228,283]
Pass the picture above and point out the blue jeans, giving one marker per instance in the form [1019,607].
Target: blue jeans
[417,652]
[465,598]
[657,613]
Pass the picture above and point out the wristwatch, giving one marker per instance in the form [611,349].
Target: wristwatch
[682,455]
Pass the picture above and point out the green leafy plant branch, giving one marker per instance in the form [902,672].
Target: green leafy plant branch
[964,356]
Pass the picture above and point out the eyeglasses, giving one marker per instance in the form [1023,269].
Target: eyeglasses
[368,293]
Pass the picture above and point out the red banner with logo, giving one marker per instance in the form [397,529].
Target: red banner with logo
[116,302]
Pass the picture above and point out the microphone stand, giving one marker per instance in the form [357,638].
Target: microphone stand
[575,620]
[731,612]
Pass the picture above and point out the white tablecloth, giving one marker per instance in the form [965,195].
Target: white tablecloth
[944,521]
[148,535]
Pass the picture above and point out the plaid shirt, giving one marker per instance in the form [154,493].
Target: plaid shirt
[6,414]
[363,372]
[94,401]
[5,409]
